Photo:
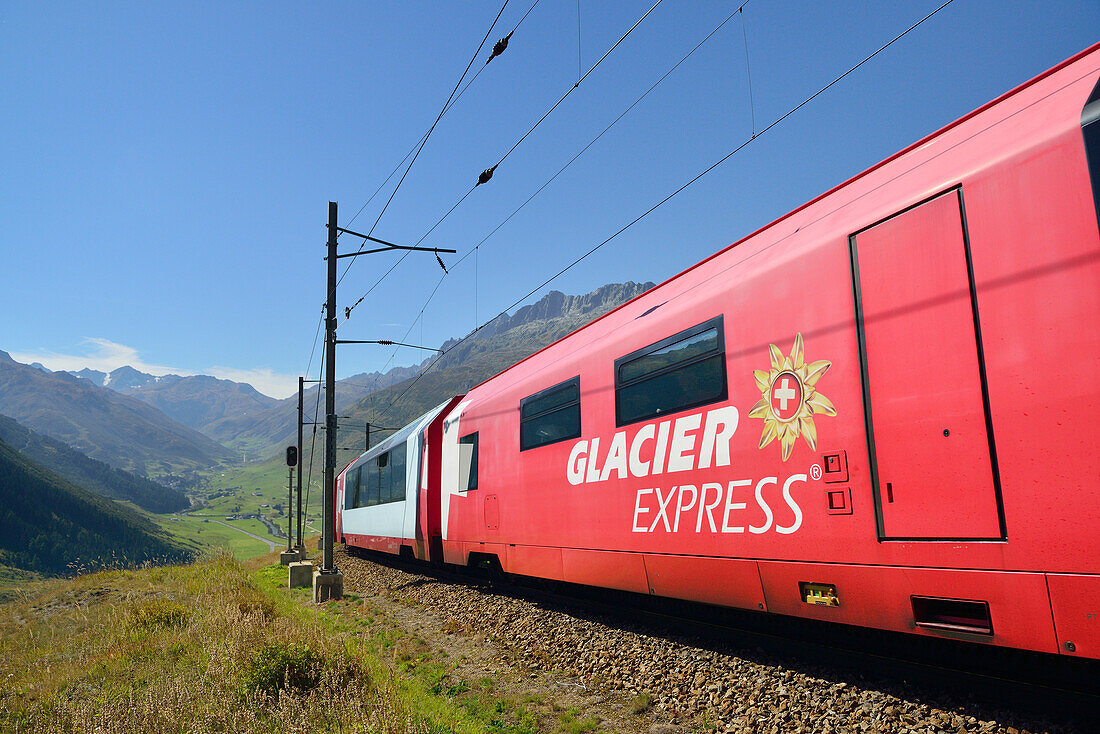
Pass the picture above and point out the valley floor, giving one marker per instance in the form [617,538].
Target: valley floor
[241,510]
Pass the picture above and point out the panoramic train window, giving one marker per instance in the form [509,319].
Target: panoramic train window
[551,415]
[470,440]
[684,371]
[397,475]
[351,489]
[380,480]
[362,487]
[384,478]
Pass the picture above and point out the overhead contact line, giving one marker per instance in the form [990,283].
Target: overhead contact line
[499,48]
[675,192]
[439,116]
[486,175]
[473,250]
[423,140]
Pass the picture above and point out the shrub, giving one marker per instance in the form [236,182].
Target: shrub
[283,666]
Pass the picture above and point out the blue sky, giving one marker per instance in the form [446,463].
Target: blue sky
[166,167]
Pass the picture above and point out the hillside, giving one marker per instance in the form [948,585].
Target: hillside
[49,525]
[95,476]
[103,424]
[218,646]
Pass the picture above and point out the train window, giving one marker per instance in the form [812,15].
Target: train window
[372,483]
[384,478]
[362,487]
[471,441]
[397,474]
[351,488]
[551,415]
[683,371]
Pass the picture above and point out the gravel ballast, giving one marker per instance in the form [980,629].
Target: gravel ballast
[680,685]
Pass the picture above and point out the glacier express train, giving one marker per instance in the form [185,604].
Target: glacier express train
[880,409]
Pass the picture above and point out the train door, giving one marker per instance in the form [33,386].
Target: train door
[933,461]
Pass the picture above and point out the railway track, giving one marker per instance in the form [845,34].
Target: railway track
[743,671]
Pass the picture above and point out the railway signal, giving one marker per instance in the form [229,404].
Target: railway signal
[291,554]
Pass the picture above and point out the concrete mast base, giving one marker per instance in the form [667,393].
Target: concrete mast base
[327,586]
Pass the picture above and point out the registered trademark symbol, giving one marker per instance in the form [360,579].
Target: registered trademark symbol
[815,472]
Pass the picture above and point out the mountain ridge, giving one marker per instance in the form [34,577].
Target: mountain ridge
[103,424]
[197,401]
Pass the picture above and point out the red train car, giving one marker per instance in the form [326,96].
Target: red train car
[878,410]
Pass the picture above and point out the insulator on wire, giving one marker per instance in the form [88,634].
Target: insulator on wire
[500,47]
[485,175]
[347,313]
[439,260]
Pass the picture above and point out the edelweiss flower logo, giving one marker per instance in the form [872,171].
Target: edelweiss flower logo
[790,398]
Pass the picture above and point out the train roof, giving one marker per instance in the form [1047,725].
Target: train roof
[399,436]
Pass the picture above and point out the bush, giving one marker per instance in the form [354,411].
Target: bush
[283,666]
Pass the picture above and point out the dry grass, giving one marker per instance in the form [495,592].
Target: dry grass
[183,649]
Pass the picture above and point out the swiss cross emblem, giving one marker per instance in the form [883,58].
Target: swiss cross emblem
[786,396]
[789,398]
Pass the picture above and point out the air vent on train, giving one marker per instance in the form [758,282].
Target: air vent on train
[952,615]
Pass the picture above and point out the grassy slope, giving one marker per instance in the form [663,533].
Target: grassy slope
[217,647]
[213,536]
[13,581]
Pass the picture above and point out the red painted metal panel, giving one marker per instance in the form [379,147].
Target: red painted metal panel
[935,477]
[1075,600]
[454,552]
[526,560]
[729,582]
[492,513]
[625,571]
[879,596]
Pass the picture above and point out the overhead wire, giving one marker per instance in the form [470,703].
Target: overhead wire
[561,170]
[577,84]
[502,44]
[748,69]
[316,336]
[487,174]
[438,117]
[675,192]
[423,141]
